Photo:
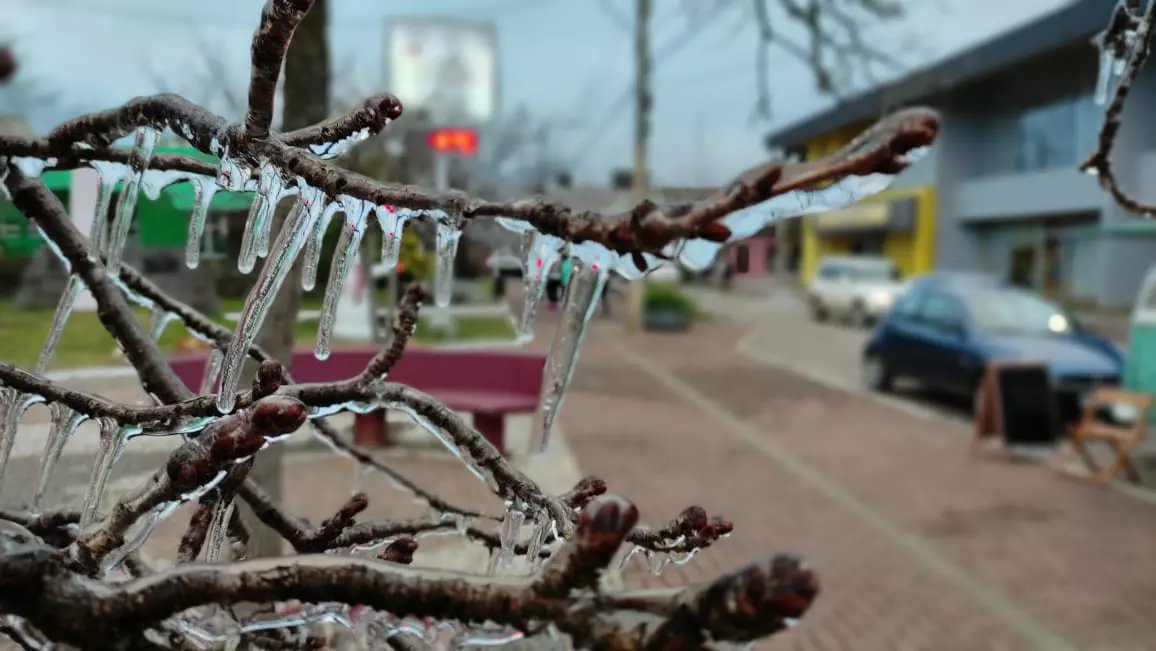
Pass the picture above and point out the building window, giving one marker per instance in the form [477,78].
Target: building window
[1059,134]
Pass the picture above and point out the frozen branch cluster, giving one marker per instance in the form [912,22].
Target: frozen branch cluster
[74,577]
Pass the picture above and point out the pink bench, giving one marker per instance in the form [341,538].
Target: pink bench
[486,383]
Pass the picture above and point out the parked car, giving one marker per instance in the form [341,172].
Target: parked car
[857,289]
[945,328]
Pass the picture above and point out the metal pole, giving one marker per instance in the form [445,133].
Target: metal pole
[640,185]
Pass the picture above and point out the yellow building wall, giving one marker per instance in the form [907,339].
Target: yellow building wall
[913,253]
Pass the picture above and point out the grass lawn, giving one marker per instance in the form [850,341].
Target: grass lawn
[85,342]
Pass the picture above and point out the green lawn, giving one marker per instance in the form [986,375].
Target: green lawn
[85,342]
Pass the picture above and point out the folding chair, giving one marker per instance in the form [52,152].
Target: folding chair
[1120,437]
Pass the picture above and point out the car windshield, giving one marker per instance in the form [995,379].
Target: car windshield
[1015,312]
[880,273]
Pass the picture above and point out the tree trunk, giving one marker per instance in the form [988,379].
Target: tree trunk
[306,101]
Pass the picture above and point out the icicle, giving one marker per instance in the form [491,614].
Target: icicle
[260,217]
[212,370]
[587,279]
[336,148]
[232,175]
[316,244]
[539,253]
[146,525]
[217,536]
[356,211]
[290,241]
[154,181]
[658,562]
[112,438]
[142,153]
[538,535]
[65,421]
[159,319]
[59,319]
[392,222]
[634,551]
[17,404]
[449,234]
[511,527]
[110,175]
[205,189]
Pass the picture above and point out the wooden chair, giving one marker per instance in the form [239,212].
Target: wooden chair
[1120,437]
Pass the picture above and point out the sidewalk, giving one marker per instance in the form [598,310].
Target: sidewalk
[919,545]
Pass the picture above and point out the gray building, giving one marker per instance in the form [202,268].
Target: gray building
[1018,118]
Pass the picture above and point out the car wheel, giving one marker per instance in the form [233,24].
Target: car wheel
[818,312]
[857,317]
[876,375]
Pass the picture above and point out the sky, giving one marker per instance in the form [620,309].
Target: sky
[568,62]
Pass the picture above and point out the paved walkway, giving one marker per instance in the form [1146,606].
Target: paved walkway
[919,545]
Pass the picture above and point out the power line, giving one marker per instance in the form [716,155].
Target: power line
[662,54]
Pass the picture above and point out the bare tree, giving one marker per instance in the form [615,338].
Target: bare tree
[51,584]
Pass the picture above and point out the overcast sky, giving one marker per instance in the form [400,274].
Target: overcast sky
[566,61]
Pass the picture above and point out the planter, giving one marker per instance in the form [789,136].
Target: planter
[666,320]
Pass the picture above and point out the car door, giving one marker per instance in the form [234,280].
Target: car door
[938,342]
[899,329]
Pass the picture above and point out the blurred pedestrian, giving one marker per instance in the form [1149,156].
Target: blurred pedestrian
[556,287]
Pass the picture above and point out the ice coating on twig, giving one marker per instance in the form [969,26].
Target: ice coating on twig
[326,150]
[216,538]
[142,152]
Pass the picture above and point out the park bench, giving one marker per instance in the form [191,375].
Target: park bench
[489,384]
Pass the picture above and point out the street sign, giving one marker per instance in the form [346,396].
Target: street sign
[447,68]
[453,140]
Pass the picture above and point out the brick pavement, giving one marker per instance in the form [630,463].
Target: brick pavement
[919,545]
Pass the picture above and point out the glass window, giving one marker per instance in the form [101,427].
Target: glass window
[1016,312]
[831,271]
[908,303]
[940,308]
[1059,134]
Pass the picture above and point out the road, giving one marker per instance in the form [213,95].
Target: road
[780,332]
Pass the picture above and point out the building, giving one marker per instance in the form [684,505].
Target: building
[1001,190]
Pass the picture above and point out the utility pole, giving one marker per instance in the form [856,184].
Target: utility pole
[640,186]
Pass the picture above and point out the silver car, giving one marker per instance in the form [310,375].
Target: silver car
[855,289]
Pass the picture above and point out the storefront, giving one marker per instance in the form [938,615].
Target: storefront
[896,224]
[1056,256]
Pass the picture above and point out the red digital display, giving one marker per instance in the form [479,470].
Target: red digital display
[453,140]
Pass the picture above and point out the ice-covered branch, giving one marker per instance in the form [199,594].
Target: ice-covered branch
[279,19]
[32,198]
[752,602]
[326,139]
[196,465]
[1125,45]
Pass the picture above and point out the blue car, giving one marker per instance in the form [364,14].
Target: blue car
[946,327]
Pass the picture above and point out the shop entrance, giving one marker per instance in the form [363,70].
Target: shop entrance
[867,244]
